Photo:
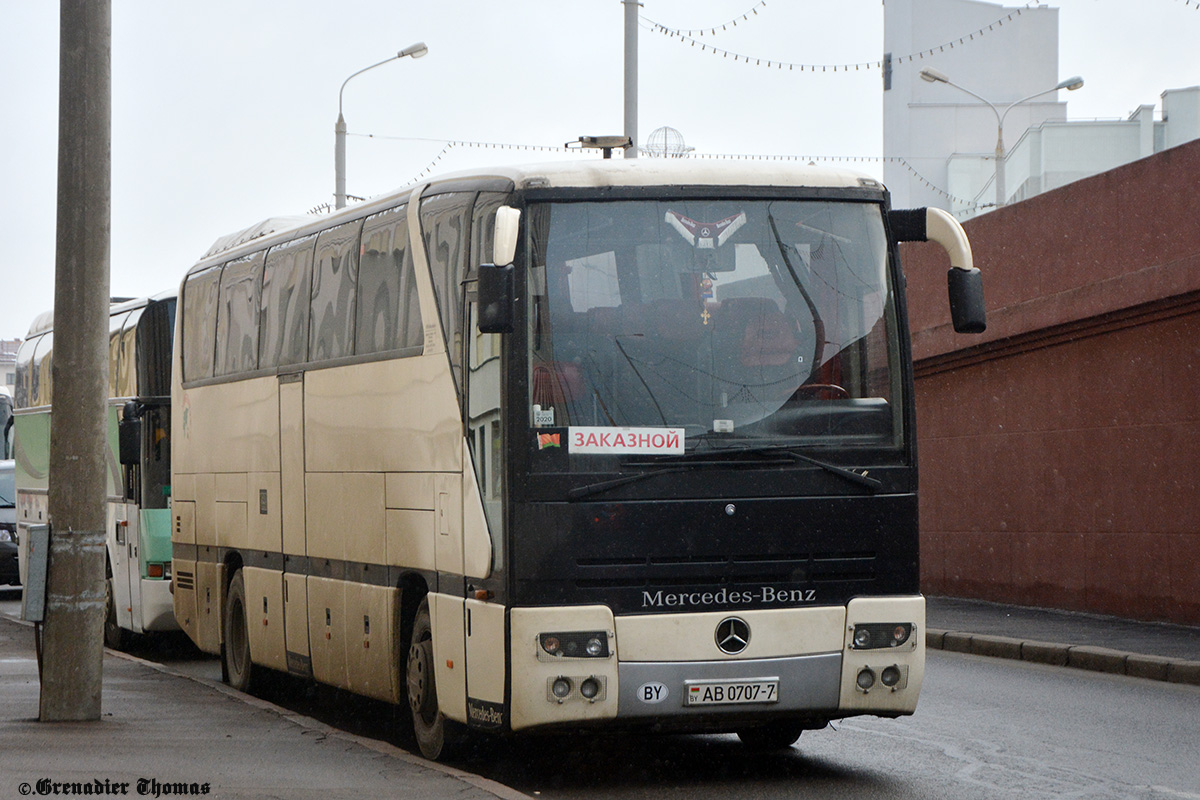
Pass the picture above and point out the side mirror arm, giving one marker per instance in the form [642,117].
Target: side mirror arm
[964,281]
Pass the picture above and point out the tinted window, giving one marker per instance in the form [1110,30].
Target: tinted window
[389,316]
[199,323]
[42,358]
[22,390]
[445,223]
[335,277]
[126,383]
[115,323]
[237,317]
[285,296]
[154,332]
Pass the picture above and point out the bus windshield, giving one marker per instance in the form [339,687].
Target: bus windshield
[737,322]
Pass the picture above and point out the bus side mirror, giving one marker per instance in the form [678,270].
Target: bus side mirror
[966,300]
[495,292]
[504,241]
[129,435]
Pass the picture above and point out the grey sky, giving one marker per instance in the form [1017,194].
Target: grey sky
[223,111]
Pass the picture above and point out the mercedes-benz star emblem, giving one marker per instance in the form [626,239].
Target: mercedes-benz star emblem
[733,635]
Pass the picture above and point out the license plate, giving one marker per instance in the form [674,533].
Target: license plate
[720,693]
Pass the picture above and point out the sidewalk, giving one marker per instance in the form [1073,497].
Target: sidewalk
[1157,651]
[193,737]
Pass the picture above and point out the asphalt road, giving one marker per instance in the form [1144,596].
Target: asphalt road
[985,728]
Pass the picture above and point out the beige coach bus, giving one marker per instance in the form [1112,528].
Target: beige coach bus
[607,443]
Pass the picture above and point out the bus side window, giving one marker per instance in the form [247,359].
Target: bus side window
[445,225]
[40,386]
[237,315]
[283,314]
[126,375]
[115,324]
[22,390]
[387,294]
[199,323]
[334,290]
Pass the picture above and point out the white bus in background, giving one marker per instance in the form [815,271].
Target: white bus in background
[653,465]
[138,533]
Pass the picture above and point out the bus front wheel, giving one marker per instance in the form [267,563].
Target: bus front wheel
[436,736]
[115,636]
[236,666]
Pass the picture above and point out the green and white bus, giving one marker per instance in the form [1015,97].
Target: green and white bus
[607,443]
[139,479]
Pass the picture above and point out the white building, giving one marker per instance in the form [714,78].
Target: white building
[940,142]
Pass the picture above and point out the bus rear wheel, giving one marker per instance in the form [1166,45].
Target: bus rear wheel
[437,737]
[772,736]
[236,666]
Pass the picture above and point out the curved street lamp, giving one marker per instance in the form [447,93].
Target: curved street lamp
[339,153]
[931,75]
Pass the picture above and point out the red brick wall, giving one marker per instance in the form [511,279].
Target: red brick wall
[1060,451]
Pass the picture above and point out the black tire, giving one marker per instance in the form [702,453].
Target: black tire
[772,736]
[437,737]
[236,667]
[115,636]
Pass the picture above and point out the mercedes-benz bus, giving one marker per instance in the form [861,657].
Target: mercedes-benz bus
[138,458]
[595,444]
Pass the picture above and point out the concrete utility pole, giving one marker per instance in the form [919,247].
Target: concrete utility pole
[631,75]
[73,633]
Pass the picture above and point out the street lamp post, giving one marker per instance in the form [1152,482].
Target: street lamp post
[339,152]
[931,75]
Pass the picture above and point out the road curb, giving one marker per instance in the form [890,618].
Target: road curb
[1087,657]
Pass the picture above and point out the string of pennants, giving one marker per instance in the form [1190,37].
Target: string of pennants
[712,30]
[687,37]
[450,145]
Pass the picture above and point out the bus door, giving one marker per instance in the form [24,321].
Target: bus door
[121,553]
[132,567]
[292,499]
[483,527]
[124,485]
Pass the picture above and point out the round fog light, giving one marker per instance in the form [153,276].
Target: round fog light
[866,679]
[551,645]
[561,687]
[862,637]
[890,676]
[595,647]
[590,688]
[900,634]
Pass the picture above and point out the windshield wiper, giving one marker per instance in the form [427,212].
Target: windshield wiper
[861,478]
[590,489]
[709,458]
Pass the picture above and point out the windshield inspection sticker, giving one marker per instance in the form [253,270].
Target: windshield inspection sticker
[625,441]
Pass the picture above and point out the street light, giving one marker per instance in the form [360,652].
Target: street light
[931,75]
[339,155]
